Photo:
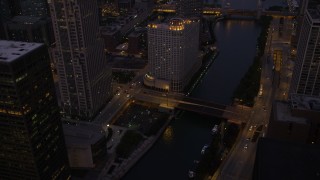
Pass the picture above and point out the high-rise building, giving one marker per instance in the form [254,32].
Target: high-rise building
[194,9]
[36,8]
[172,53]
[303,6]
[29,29]
[83,71]
[189,8]
[32,143]
[5,11]
[306,74]
[5,15]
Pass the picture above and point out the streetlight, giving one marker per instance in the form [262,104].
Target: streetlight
[167,89]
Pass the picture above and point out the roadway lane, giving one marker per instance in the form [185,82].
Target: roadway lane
[120,99]
[239,164]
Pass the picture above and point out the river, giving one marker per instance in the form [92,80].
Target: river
[173,154]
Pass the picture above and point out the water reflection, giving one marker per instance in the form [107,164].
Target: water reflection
[168,135]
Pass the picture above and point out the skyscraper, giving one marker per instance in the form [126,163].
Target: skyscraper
[36,8]
[32,143]
[5,15]
[172,53]
[84,75]
[306,74]
[29,29]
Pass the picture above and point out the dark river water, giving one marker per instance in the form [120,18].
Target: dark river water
[173,154]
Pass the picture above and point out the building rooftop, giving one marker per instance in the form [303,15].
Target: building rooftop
[134,34]
[276,159]
[12,50]
[110,30]
[82,134]
[283,113]
[304,102]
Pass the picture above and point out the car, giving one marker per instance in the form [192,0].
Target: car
[245,146]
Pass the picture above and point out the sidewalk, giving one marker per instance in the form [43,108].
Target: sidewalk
[122,167]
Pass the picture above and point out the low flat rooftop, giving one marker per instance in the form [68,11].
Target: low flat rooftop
[283,113]
[110,30]
[305,102]
[134,34]
[12,50]
[276,159]
[82,134]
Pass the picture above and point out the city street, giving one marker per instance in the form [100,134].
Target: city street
[240,163]
[120,99]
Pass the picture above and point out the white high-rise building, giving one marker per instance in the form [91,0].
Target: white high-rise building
[173,53]
[306,74]
[84,75]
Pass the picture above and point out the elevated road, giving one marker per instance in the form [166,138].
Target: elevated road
[177,101]
[228,11]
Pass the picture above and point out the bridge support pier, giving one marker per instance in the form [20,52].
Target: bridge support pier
[259,9]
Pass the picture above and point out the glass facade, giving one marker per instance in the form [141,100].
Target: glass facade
[306,75]
[84,74]
[32,143]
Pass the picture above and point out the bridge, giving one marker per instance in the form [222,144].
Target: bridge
[171,8]
[237,114]
[246,12]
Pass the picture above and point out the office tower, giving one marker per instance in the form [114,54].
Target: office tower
[306,74]
[84,75]
[189,8]
[194,9]
[125,5]
[5,15]
[172,53]
[29,29]
[5,10]
[32,143]
[37,8]
[9,8]
[303,6]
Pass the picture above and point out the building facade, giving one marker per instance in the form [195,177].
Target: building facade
[172,53]
[32,143]
[86,145]
[297,121]
[84,75]
[36,8]
[29,29]
[306,74]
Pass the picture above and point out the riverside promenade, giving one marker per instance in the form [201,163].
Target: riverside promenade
[121,168]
